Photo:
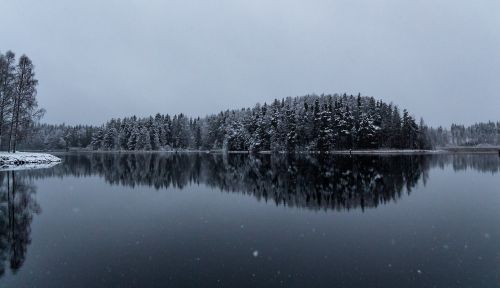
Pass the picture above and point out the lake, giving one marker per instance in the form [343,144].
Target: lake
[214,220]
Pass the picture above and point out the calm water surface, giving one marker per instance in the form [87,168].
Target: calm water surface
[200,220]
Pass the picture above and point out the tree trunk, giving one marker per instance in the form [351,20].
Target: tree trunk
[2,109]
[11,127]
[16,126]
[17,105]
[1,124]
[2,120]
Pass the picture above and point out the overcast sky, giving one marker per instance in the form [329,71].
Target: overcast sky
[100,59]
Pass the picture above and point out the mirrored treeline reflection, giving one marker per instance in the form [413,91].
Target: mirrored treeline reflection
[17,207]
[463,162]
[335,182]
[326,182]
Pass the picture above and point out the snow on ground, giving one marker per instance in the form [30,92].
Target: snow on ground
[30,166]
[24,158]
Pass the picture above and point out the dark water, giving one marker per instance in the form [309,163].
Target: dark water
[188,220]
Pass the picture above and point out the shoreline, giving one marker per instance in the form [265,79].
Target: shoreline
[8,159]
[446,150]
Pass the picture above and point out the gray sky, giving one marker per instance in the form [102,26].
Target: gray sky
[100,59]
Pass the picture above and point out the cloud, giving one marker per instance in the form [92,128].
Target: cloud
[101,59]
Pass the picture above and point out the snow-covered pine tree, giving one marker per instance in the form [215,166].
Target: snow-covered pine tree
[110,139]
[395,130]
[366,132]
[134,135]
[409,131]
[290,126]
[262,130]
[97,139]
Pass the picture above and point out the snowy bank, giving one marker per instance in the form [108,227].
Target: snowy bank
[22,158]
[30,166]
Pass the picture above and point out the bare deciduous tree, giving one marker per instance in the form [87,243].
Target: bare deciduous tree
[25,106]
[7,77]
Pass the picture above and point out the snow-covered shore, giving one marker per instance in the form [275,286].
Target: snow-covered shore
[30,166]
[22,158]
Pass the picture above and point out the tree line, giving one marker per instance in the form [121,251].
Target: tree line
[306,123]
[479,133]
[60,137]
[483,133]
[18,104]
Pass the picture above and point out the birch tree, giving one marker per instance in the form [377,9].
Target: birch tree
[7,77]
[25,105]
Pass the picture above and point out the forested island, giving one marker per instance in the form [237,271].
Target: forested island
[309,123]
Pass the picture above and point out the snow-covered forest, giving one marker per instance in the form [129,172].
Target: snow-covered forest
[307,123]
[487,133]
[319,123]
[480,133]
[58,137]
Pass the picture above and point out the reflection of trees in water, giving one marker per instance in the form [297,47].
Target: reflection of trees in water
[319,183]
[479,162]
[315,182]
[326,182]
[311,181]
[17,207]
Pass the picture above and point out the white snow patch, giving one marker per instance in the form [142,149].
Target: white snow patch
[29,166]
[26,160]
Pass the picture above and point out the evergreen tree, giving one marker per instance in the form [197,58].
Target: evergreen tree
[133,138]
[395,130]
[366,132]
[97,139]
[110,139]
[409,132]
[291,137]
